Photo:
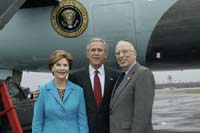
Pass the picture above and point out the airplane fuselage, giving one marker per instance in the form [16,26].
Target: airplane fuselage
[160,30]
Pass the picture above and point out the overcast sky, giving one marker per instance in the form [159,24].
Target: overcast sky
[34,79]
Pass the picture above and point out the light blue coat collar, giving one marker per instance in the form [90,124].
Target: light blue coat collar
[51,87]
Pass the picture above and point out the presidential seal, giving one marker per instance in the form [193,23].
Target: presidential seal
[69,18]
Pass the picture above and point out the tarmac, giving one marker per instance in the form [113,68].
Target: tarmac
[159,131]
[176,110]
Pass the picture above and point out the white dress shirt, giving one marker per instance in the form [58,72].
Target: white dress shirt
[101,75]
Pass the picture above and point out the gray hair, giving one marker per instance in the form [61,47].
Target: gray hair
[129,43]
[96,39]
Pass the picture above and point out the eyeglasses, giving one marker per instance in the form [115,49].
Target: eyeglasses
[124,52]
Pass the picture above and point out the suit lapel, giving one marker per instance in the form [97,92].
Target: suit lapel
[53,90]
[123,84]
[68,91]
[107,86]
[88,87]
[89,90]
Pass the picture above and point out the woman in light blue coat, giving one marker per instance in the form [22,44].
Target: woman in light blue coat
[60,107]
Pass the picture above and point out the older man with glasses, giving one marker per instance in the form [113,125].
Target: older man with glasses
[133,94]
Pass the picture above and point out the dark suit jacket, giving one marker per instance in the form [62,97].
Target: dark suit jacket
[98,120]
[131,104]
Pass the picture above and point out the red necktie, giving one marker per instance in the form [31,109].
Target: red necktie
[97,89]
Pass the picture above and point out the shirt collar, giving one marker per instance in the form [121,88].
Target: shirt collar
[127,71]
[100,69]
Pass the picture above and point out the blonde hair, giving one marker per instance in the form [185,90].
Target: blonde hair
[57,55]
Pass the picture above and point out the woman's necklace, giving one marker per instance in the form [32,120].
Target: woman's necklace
[61,88]
[61,93]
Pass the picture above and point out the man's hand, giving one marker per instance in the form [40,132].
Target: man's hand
[35,94]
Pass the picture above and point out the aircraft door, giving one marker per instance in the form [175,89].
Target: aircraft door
[114,21]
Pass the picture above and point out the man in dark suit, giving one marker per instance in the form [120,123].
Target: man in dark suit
[98,116]
[132,100]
